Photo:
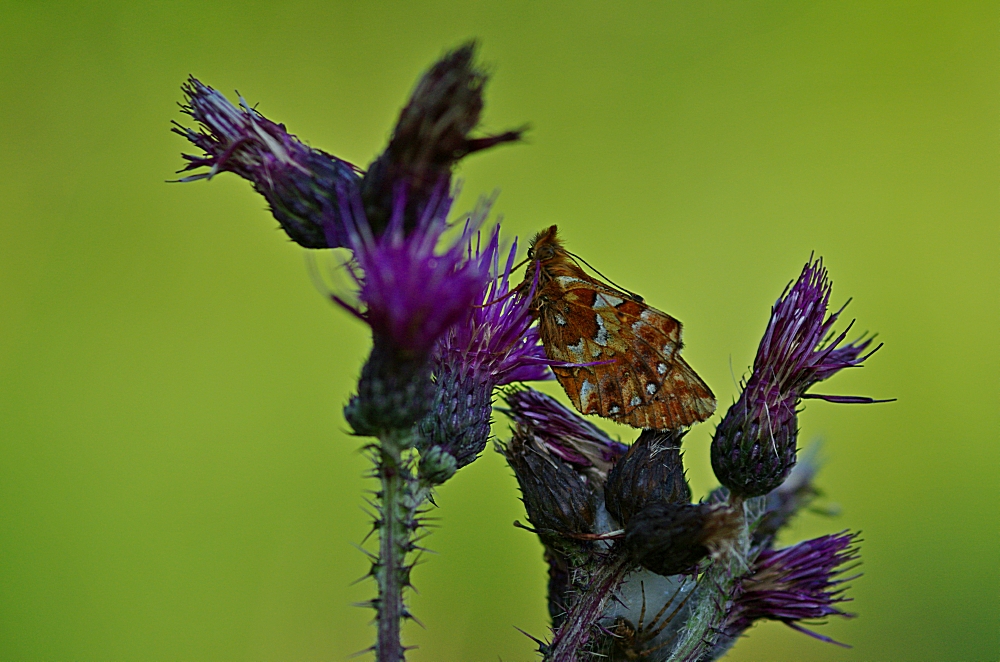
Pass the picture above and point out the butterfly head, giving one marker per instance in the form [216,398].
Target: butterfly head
[546,246]
[547,258]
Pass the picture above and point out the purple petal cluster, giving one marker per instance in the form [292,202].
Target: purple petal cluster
[412,286]
[300,183]
[562,432]
[797,351]
[797,583]
[496,337]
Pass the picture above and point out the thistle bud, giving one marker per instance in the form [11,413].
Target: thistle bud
[753,451]
[651,471]
[564,433]
[437,465]
[431,136]
[459,421]
[754,446]
[394,391]
[491,345]
[671,538]
[557,499]
[300,183]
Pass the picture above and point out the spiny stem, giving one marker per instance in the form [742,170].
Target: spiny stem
[391,554]
[576,628]
[399,501]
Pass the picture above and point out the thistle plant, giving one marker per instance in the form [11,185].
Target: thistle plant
[647,574]
[637,568]
[443,334]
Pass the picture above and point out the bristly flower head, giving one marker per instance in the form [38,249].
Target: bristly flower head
[432,134]
[300,183]
[754,446]
[651,471]
[670,538]
[411,288]
[798,583]
[563,433]
[496,337]
[493,344]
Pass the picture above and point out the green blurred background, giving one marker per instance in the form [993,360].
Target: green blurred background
[176,478]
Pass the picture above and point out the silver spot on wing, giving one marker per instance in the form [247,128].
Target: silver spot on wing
[606,300]
[602,333]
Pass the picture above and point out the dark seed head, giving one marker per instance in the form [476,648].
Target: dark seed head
[671,538]
[650,472]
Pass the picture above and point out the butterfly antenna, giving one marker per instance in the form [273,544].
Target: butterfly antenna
[629,292]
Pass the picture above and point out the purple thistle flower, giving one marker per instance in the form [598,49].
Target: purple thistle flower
[754,446]
[796,351]
[493,344]
[299,183]
[795,584]
[497,336]
[563,433]
[410,292]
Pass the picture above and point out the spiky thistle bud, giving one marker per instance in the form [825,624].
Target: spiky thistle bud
[651,471]
[671,538]
[755,444]
[558,500]
[431,136]
[493,344]
[564,433]
[300,183]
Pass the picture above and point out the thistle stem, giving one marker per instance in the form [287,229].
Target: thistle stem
[575,629]
[400,499]
[392,535]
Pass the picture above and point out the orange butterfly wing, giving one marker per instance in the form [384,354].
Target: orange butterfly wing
[645,383]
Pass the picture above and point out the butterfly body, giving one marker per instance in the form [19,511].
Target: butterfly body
[633,373]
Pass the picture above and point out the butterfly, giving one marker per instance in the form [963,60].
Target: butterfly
[622,357]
